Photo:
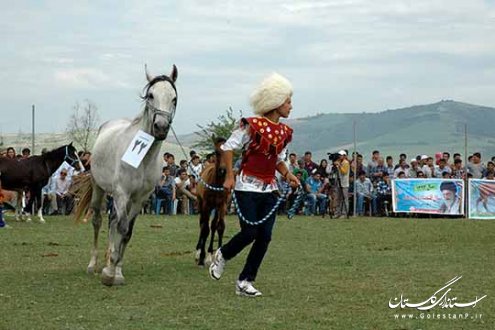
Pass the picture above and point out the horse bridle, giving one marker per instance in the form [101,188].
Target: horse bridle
[68,157]
[154,110]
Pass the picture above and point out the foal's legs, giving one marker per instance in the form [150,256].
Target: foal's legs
[204,231]
[95,205]
[214,226]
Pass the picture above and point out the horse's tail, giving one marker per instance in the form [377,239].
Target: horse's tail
[82,188]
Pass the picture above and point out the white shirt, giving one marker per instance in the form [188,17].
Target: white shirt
[178,181]
[239,139]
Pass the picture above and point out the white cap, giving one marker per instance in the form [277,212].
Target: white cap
[424,157]
[342,153]
[414,160]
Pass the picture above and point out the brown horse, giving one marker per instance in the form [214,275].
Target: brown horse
[211,197]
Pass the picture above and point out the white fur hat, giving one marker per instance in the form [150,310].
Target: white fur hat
[270,94]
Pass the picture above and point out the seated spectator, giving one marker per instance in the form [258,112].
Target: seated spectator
[315,197]
[64,198]
[420,175]
[364,191]
[490,166]
[165,191]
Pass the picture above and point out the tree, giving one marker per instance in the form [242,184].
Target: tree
[82,125]
[223,127]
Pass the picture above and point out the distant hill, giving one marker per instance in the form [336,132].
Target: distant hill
[422,129]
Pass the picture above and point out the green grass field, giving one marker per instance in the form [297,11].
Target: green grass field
[318,274]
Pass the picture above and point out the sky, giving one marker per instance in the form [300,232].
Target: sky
[341,56]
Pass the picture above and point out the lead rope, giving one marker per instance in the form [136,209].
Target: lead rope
[290,214]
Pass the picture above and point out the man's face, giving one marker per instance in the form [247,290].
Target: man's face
[171,160]
[441,164]
[317,177]
[166,172]
[445,156]
[195,161]
[448,195]
[476,159]
[292,159]
[183,176]
[390,162]
[490,166]
[307,157]
[285,108]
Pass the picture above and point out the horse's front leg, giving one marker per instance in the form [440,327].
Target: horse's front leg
[39,203]
[214,226]
[120,232]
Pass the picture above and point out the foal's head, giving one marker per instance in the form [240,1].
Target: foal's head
[221,169]
[160,95]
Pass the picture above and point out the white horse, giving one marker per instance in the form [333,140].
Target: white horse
[129,186]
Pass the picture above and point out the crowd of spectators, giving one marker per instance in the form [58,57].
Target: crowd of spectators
[329,186]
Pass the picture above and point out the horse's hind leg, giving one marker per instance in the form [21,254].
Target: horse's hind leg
[95,205]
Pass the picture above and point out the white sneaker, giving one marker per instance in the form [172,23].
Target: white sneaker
[246,288]
[217,265]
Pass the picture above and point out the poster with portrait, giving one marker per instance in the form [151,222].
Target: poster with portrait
[433,196]
[481,196]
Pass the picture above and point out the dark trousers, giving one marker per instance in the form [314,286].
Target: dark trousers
[254,206]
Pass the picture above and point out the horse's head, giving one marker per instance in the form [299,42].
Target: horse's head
[67,153]
[220,164]
[161,101]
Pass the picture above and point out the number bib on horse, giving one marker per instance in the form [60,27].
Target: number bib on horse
[268,139]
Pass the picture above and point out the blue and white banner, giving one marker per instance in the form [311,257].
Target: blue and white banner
[434,196]
[481,199]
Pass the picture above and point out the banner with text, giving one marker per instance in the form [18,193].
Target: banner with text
[434,196]
[481,199]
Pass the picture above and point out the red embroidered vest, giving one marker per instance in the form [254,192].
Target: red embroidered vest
[268,139]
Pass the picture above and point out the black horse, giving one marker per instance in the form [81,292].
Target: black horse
[33,173]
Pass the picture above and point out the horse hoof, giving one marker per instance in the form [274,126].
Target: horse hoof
[28,220]
[42,221]
[208,260]
[91,270]
[118,280]
[107,277]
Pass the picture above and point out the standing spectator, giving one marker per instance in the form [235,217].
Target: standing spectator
[402,168]
[344,169]
[458,171]
[171,165]
[414,168]
[446,156]
[384,194]
[165,190]
[364,190]
[401,157]
[309,165]
[86,161]
[292,164]
[315,196]
[375,172]
[26,153]
[428,168]
[490,166]
[195,167]
[322,169]
[442,168]
[475,167]
[11,153]
[390,166]
[373,163]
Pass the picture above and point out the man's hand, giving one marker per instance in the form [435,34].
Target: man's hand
[292,179]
